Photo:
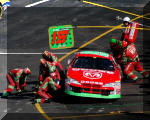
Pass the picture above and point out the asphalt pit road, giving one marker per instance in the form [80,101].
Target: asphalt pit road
[15,96]
[145,85]
[32,82]
[137,115]
[96,49]
[99,111]
[138,94]
[19,109]
[17,103]
[88,110]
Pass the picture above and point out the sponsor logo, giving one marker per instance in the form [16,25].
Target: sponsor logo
[91,82]
[88,70]
[92,75]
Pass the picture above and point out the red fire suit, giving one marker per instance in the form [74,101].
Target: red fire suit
[131,61]
[48,82]
[117,49]
[129,34]
[56,61]
[15,78]
[43,69]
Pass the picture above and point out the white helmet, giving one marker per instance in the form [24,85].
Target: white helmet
[126,19]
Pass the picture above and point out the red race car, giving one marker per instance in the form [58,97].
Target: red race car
[93,74]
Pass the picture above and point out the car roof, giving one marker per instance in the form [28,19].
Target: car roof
[94,54]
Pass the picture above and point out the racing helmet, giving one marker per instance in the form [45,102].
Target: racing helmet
[112,41]
[27,71]
[46,53]
[48,56]
[124,44]
[126,19]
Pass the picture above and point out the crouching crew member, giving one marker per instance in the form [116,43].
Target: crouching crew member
[16,78]
[50,57]
[49,82]
[132,62]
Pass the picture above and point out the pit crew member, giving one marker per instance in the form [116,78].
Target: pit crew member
[117,49]
[47,56]
[16,78]
[130,32]
[50,81]
[131,60]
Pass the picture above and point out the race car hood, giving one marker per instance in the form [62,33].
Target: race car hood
[92,76]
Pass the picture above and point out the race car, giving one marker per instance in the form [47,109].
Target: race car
[93,74]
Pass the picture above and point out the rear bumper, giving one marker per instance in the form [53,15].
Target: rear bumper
[91,95]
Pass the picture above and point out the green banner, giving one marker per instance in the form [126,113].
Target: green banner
[61,37]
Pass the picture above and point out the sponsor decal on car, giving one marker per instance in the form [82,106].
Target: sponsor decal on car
[92,75]
[117,87]
[91,82]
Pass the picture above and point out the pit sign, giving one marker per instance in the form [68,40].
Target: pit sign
[61,37]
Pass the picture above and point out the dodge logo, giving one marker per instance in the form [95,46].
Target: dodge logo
[92,75]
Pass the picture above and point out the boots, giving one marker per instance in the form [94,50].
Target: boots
[5,95]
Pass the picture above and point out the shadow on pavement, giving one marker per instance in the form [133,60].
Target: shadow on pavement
[63,98]
[24,95]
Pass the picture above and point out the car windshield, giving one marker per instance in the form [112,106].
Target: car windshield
[93,63]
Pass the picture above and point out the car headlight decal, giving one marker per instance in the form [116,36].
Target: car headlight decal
[116,86]
[70,80]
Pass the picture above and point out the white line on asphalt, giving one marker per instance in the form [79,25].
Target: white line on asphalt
[26,53]
[36,3]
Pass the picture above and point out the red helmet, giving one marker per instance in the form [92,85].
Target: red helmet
[27,71]
[124,44]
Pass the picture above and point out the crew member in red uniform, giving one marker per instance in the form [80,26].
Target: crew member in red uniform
[129,34]
[131,60]
[50,81]
[16,78]
[47,56]
[117,49]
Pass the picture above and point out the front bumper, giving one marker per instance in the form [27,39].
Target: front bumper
[92,95]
